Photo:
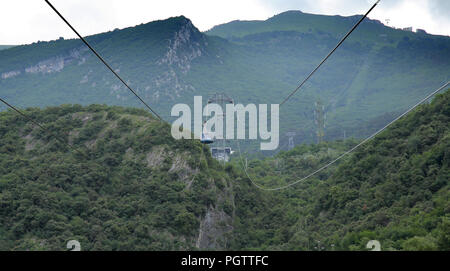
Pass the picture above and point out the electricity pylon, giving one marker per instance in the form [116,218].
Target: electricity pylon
[220,149]
[319,117]
[291,144]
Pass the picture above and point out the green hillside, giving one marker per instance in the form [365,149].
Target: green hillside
[135,188]
[374,75]
[298,21]
[394,189]
[377,73]
[138,189]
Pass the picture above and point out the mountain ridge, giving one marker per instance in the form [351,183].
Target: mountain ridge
[307,22]
[170,61]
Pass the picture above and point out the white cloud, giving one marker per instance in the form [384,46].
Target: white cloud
[26,21]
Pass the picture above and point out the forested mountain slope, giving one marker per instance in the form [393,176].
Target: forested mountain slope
[135,188]
[394,189]
[138,189]
[376,73]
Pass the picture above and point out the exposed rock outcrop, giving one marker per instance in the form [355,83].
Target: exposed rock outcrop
[213,229]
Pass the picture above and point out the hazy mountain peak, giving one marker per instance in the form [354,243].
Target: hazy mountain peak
[289,12]
[186,44]
[174,24]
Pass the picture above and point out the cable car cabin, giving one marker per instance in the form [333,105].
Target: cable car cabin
[221,153]
[206,137]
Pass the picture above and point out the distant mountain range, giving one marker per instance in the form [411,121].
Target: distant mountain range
[2,47]
[378,72]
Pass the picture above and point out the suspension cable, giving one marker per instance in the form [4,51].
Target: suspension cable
[332,51]
[345,153]
[102,60]
[44,128]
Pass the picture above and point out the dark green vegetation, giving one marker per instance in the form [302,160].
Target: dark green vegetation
[140,189]
[136,189]
[378,71]
[394,189]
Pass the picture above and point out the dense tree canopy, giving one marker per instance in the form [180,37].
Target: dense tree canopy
[136,188]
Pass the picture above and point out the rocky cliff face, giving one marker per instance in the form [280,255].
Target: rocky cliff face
[214,230]
[186,45]
[50,65]
[165,78]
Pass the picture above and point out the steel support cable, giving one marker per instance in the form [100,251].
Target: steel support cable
[332,51]
[102,60]
[345,153]
[44,128]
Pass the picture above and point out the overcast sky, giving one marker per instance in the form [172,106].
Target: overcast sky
[26,21]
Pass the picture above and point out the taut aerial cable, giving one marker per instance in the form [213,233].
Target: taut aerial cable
[103,61]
